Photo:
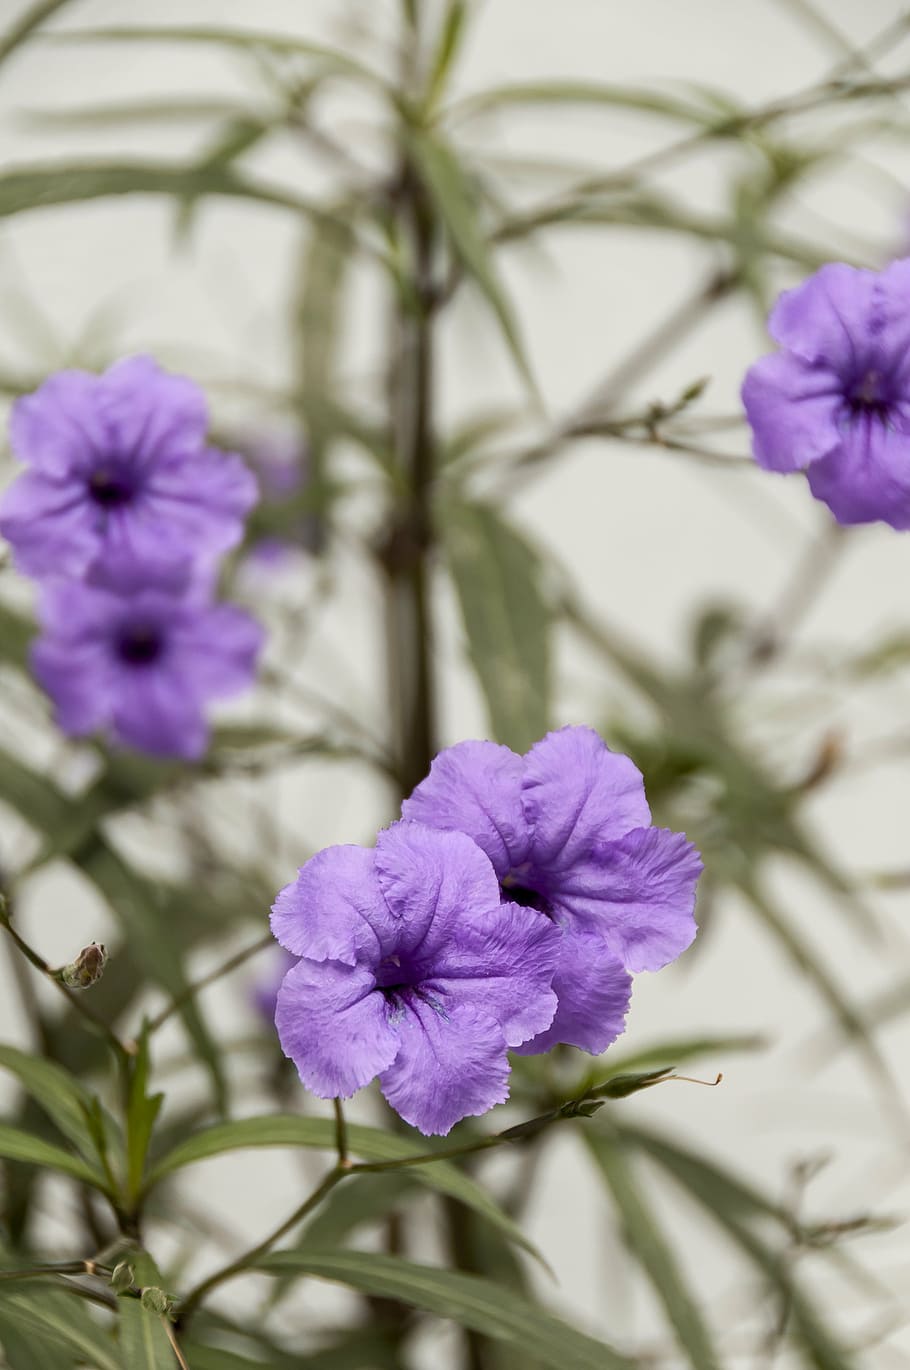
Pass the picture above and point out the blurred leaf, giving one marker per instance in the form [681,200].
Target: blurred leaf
[731,1203]
[43,187]
[450,39]
[121,114]
[582,93]
[244,40]
[141,908]
[319,315]
[66,1102]
[467,1299]
[497,577]
[27,24]
[361,1199]
[473,434]
[370,1143]
[16,1145]
[645,1239]
[16,633]
[679,1051]
[359,1349]
[450,192]
[63,1320]
[144,1344]
[142,1110]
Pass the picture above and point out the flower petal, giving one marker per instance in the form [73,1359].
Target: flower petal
[79,681]
[154,712]
[217,650]
[335,909]
[577,792]
[59,430]
[792,408]
[475,788]
[432,880]
[333,1024]
[148,412]
[450,1067]
[868,476]
[502,962]
[205,497]
[830,316]
[638,894]
[50,523]
[593,990]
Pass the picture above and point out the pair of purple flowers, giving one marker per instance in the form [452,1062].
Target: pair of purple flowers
[504,911]
[122,516]
[835,400]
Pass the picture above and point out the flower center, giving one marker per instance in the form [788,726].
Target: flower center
[140,644]
[109,487]
[514,892]
[869,396]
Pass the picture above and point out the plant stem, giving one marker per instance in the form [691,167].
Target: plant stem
[249,1258]
[73,996]
[238,959]
[341,1134]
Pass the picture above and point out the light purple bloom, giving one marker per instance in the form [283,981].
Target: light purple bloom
[281,462]
[835,401]
[141,665]
[567,828]
[412,970]
[119,467]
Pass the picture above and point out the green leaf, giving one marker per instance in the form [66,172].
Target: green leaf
[360,1349]
[245,40]
[732,1202]
[44,187]
[367,1142]
[142,909]
[64,1321]
[142,1110]
[583,93]
[27,24]
[457,205]
[679,1051]
[497,577]
[492,1310]
[144,1344]
[447,49]
[17,1145]
[66,1102]
[645,1239]
[16,631]
[121,114]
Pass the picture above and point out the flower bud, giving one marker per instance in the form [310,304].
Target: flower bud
[122,1277]
[87,968]
[156,1301]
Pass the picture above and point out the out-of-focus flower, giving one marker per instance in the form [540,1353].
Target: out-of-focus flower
[835,400]
[141,665]
[567,828]
[264,994]
[280,461]
[119,468]
[413,970]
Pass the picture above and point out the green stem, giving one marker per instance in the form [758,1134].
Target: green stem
[250,1257]
[74,998]
[238,959]
[341,1134]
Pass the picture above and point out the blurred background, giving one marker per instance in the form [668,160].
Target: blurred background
[610,197]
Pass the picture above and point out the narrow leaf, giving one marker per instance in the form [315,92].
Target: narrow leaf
[65,1101]
[497,577]
[469,1300]
[17,1145]
[457,206]
[367,1142]
[64,1321]
[144,1344]
[657,1259]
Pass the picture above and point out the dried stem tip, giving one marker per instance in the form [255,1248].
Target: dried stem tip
[87,968]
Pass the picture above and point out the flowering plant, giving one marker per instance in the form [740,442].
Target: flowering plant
[311,579]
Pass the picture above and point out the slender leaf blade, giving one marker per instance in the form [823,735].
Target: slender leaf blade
[491,1310]
[19,1145]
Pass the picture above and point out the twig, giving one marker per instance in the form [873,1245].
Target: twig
[238,959]
[341,1133]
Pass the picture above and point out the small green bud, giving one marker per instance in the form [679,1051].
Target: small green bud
[156,1301]
[122,1277]
[87,968]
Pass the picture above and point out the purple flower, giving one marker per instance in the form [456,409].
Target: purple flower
[281,462]
[835,400]
[567,828]
[141,665]
[412,970]
[118,467]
